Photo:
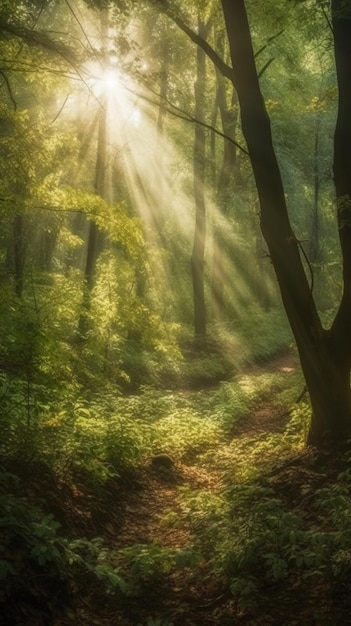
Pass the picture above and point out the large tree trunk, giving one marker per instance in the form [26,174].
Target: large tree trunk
[198,253]
[341,16]
[93,231]
[100,189]
[315,244]
[324,358]
[226,179]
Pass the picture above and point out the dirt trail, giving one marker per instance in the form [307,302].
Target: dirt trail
[159,490]
[266,418]
[158,495]
[191,596]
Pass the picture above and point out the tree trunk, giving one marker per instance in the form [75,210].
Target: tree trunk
[324,358]
[226,181]
[341,17]
[315,247]
[93,232]
[198,253]
[18,253]
[100,189]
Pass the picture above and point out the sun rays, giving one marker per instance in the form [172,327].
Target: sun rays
[150,172]
[147,170]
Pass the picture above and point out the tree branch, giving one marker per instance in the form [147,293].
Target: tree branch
[41,40]
[269,40]
[265,67]
[172,109]
[223,67]
[9,90]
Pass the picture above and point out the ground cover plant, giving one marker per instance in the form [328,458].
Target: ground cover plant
[243,514]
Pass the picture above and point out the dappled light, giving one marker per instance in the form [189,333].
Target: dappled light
[174,313]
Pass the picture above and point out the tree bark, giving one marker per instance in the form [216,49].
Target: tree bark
[226,181]
[315,246]
[198,252]
[324,359]
[100,189]
[93,232]
[341,21]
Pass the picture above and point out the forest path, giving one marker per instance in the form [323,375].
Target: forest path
[149,512]
[191,595]
[159,489]
[266,417]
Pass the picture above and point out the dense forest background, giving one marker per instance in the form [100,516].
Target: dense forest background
[146,357]
[100,151]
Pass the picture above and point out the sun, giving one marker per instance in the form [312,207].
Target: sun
[105,80]
[110,79]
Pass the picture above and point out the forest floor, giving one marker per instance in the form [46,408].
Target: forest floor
[135,512]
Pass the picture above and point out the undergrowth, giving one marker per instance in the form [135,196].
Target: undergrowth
[251,535]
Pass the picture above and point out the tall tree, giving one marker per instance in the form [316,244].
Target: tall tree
[325,354]
[99,187]
[198,253]
[226,178]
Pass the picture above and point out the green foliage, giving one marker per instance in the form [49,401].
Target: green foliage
[70,433]
[61,393]
[147,563]
[107,432]
[29,539]
[255,538]
[298,425]
[251,537]
[145,566]
[246,533]
[231,403]
[33,549]
[264,332]
[177,423]
[92,435]
[204,511]
[184,434]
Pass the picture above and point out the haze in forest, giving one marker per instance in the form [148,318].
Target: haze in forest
[175,273]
